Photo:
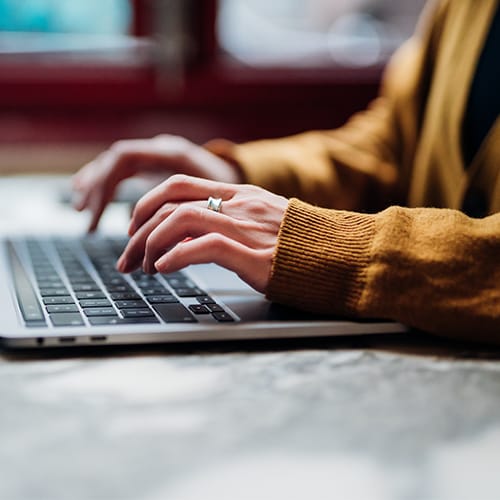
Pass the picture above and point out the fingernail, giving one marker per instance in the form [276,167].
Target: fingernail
[161,264]
[145,267]
[131,229]
[121,265]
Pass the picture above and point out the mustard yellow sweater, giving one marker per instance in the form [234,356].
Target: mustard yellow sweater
[431,267]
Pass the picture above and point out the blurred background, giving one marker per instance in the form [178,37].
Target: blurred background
[77,75]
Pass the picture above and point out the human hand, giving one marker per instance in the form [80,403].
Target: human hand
[171,228]
[95,183]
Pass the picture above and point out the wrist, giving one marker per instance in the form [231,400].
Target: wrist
[231,170]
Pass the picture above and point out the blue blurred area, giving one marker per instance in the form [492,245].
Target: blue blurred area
[66,16]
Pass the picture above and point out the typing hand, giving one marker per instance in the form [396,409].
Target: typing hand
[95,183]
[172,227]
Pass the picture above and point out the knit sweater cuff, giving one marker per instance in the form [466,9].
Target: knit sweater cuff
[321,259]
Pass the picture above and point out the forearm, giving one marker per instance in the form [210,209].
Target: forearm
[326,168]
[365,165]
[432,269]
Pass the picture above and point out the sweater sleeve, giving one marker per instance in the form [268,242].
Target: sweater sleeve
[364,165]
[432,269]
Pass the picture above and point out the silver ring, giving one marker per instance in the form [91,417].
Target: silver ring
[214,204]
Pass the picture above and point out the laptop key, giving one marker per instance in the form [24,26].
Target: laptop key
[80,276]
[116,280]
[156,290]
[189,292]
[95,303]
[53,292]
[130,304]
[90,295]
[119,288]
[48,278]
[109,320]
[137,313]
[66,319]
[223,317]
[125,296]
[205,299]
[46,284]
[147,281]
[100,311]
[161,299]
[62,308]
[86,287]
[181,282]
[28,301]
[174,313]
[214,308]
[198,309]
[58,300]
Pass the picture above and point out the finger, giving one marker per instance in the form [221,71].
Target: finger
[85,178]
[188,221]
[178,187]
[97,204]
[253,266]
[133,254]
[79,199]
[97,181]
[125,158]
[81,184]
[102,188]
[78,180]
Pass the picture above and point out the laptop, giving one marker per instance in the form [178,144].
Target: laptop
[66,291]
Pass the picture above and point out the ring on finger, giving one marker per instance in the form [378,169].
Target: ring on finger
[214,204]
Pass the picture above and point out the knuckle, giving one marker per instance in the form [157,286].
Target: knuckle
[177,181]
[254,206]
[120,147]
[162,137]
[138,208]
[217,242]
[182,218]
[175,144]
[250,188]
[175,184]
[167,137]
[186,213]
[150,244]
[165,211]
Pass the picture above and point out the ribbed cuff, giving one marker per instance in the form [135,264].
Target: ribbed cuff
[321,259]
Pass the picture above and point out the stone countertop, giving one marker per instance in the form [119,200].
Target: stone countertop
[342,418]
[410,418]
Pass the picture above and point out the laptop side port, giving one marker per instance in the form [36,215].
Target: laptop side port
[67,340]
[98,338]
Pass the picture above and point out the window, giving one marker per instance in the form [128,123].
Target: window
[100,52]
[74,16]
[76,27]
[82,73]
[315,32]
[155,52]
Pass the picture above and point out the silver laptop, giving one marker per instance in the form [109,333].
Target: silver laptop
[61,292]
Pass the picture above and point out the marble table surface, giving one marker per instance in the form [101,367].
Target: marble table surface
[408,418]
[321,420]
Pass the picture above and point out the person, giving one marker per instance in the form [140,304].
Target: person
[394,215]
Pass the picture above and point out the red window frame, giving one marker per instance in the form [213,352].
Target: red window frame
[212,79]
[218,95]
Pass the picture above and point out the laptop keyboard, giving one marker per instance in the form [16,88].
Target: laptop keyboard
[74,282]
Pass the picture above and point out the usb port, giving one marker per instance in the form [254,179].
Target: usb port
[98,338]
[67,340]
